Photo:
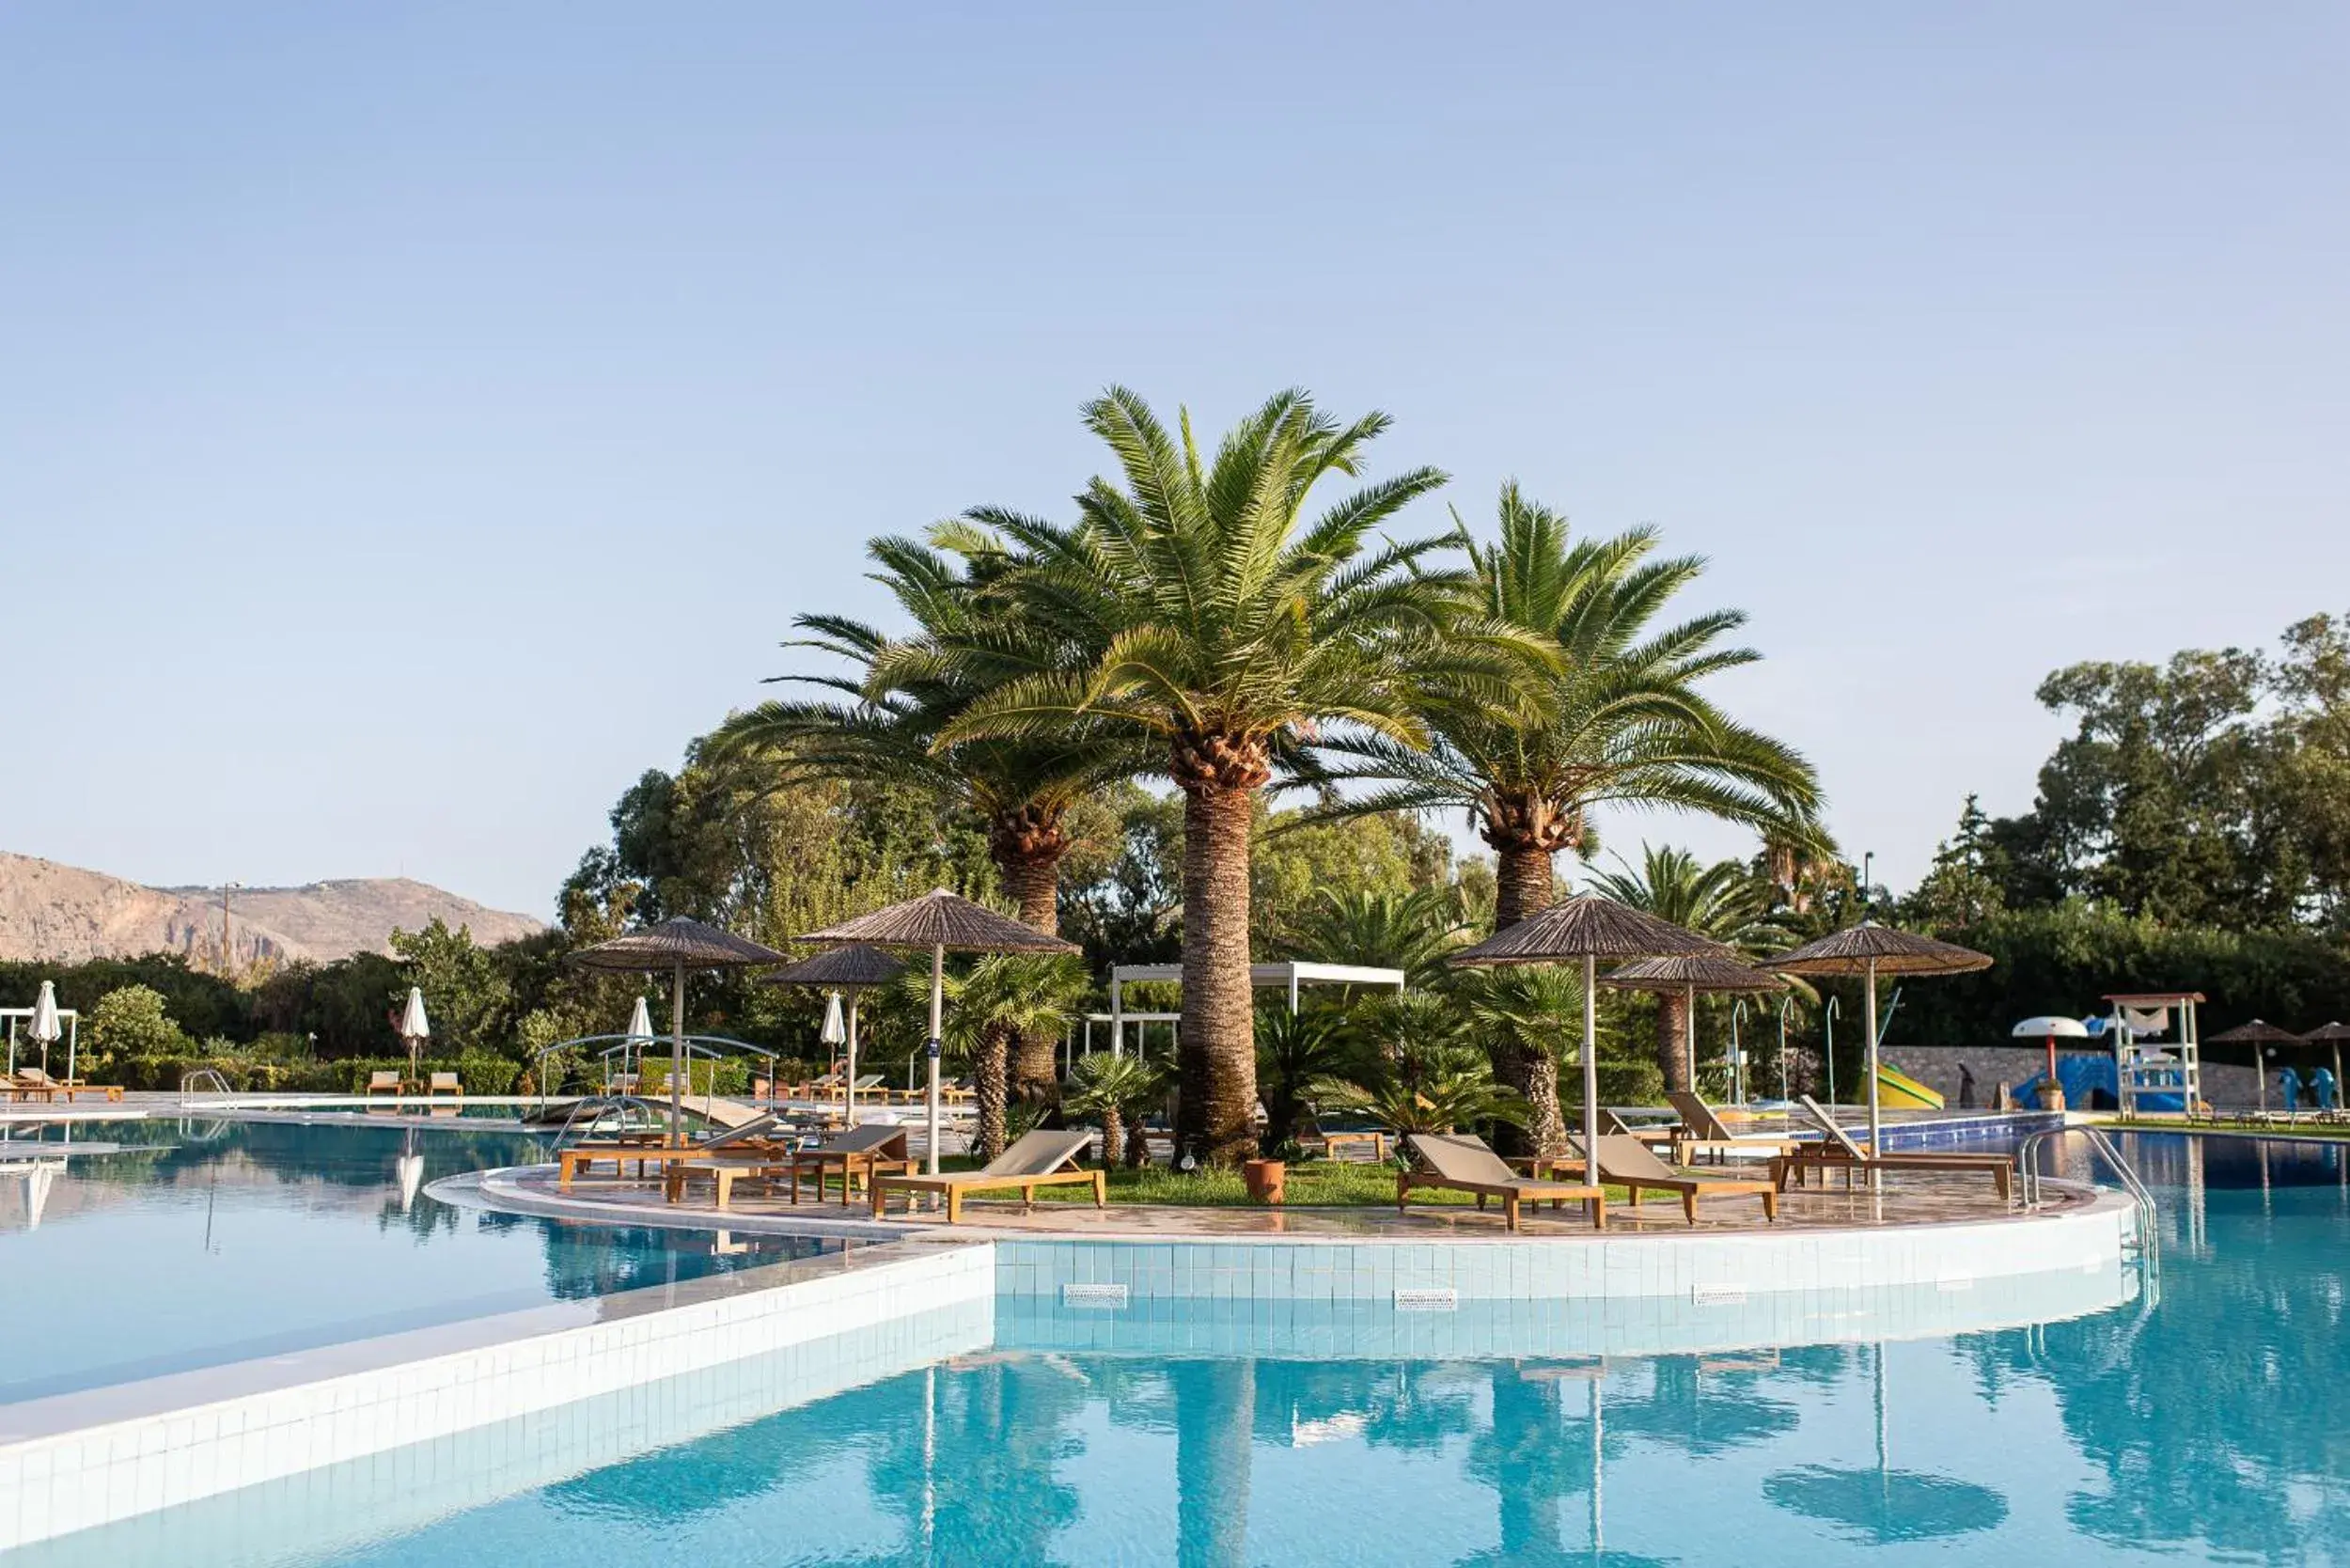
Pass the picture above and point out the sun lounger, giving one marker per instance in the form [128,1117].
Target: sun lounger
[387,1082]
[1462,1162]
[18,1089]
[1624,1161]
[1839,1151]
[1704,1132]
[754,1136]
[1040,1159]
[446,1083]
[862,1152]
[35,1080]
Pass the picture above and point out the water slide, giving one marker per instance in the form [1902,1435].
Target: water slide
[1898,1091]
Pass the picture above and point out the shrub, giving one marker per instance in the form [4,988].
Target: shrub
[131,1022]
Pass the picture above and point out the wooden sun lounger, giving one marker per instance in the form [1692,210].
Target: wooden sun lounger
[1041,1159]
[385,1083]
[33,1080]
[863,1152]
[19,1089]
[752,1138]
[1462,1162]
[1840,1151]
[1624,1161]
[1704,1132]
[446,1083]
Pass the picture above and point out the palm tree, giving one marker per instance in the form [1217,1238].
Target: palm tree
[1412,932]
[885,730]
[1621,721]
[1213,617]
[1118,1091]
[1295,1052]
[1003,998]
[1724,901]
[1437,1090]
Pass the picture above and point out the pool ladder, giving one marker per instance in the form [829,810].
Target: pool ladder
[2028,1161]
[204,1080]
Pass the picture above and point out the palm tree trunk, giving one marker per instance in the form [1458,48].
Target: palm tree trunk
[1546,1131]
[1524,882]
[1672,1041]
[1215,1116]
[1027,846]
[991,1089]
[1113,1136]
[1215,1403]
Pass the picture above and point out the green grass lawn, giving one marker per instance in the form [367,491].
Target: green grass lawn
[1313,1185]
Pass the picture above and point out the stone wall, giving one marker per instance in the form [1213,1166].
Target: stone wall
[1937,1067]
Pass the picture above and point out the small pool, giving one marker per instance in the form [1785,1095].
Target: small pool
[197,1243]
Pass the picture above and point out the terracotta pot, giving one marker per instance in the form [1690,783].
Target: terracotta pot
[1264,1178]
[2051,1097]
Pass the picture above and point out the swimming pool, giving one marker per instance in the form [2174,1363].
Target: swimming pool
[204,1242]
[2203,1423]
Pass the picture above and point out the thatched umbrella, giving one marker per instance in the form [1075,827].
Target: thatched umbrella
[1689,973]
[1590,928]
[942,922]
[1871,950]
[2330,1034]
[837,970]
[677,946]
[2257,1034]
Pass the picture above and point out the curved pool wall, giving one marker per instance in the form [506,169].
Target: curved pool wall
[98,1458]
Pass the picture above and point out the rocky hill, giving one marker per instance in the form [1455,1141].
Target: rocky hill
[65,914]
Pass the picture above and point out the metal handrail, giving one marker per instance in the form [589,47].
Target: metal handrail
[2028,1164]
[206,1080]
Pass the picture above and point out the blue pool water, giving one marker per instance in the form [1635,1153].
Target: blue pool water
[203,1242]
[2208,1420]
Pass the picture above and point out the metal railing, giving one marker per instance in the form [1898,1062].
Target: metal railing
[2028,1165]
[204,1080]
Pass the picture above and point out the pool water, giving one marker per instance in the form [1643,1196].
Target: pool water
[2207,1420]
[205,1242]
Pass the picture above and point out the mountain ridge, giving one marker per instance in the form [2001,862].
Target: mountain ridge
[56,912]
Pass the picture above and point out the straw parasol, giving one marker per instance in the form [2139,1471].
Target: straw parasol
[2257,1034]
[1871,950]
[943,923]
[1689,973]
[2330,1034]
[1590,928]
[837,970]
[677,946]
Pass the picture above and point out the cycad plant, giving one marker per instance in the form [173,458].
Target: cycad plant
[1412,932]
[1000,998]
[1724,901]
[1436,1090]
[1220,621]
[1118,1092]
[1295,1052]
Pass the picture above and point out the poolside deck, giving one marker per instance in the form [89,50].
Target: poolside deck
[1907,1198]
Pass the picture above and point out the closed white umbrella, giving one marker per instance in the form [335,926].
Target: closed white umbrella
[45,1027]
[414,1027]
[836,1034]
[639,1036]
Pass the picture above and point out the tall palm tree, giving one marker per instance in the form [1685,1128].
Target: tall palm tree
[1001,998]
[1622,720]
[1724,901]
[885,729]
[1215,618]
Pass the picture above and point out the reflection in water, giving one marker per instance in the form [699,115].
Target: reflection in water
[1882,1504]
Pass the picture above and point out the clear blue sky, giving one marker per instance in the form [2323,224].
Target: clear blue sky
[416,420]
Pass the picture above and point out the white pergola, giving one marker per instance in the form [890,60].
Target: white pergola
[1291,976]
[65,1016]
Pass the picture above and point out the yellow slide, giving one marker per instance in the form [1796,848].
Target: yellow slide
[1898,1091]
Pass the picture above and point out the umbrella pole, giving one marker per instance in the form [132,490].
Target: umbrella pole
[1689,1021]
[1876,1127]
[850,1097]
[930,1046]
[677,1059]
[1590,1069]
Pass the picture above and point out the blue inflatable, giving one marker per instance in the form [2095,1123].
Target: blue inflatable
[2323,1088]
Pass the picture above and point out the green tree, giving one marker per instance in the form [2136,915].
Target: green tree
[1622,719]
[999,999]
[1722,902]
[467,997]
[131,1023]
[884,726]
[1968,880]
[1413,932]
[1295,1052]
[1119,1092]
[1197,607]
